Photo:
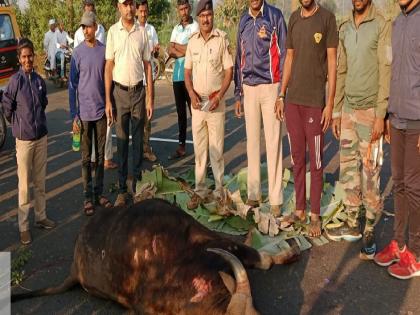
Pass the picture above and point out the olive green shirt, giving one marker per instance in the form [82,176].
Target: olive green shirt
[364,64]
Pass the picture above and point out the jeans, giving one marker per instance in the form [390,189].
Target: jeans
[96,131]
[60,56]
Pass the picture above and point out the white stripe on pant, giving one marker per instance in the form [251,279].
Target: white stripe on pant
[31,159]
[260,101]
[208,131]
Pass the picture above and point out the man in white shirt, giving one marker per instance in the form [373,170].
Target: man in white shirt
[50,46]
[127,64]
[142,14]
[62,42]
[79,37]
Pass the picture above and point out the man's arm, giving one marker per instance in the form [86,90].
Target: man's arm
[384,78]
[177,50]
[339,95]
[73,85]
[109,67]
[228,74]
[341,80]
[238,74]
[332,77]
[287,70]
[225,85]
[195,98]
[9,99]
[281,41]
[384,60]
[149,79]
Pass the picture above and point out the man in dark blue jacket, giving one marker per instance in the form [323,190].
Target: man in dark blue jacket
[260,55]
[24,105]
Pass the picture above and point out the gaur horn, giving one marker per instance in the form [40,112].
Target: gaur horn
[242,283]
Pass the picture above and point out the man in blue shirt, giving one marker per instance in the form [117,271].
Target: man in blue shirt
[178,46]
[87,107]
[260,55]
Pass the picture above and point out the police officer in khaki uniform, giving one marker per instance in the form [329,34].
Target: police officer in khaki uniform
[208,73]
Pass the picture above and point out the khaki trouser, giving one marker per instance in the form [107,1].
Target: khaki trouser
[31,159]
[260,101]
[208,131]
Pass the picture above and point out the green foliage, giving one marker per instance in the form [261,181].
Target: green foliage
[22,256]
[33,20]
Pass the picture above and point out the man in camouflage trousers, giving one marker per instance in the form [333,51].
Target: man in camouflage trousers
[360,106]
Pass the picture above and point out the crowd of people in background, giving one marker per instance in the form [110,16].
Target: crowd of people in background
[361,77]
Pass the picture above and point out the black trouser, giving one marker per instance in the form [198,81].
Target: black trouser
[181,100]
[130,106]
[405,166]
[96,131]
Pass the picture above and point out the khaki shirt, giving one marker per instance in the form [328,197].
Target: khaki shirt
[128,50]
[208,60]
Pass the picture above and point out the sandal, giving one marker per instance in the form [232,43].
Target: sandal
[88,208]
[104,202]
[315,228]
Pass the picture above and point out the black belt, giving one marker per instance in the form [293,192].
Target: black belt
[129,88]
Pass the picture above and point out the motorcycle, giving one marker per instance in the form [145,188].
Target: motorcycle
[53,74]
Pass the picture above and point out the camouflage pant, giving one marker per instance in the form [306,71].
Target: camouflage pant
[360,165]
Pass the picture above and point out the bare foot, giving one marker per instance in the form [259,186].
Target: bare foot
[315,226]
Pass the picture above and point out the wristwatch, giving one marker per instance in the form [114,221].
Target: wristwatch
[281,97]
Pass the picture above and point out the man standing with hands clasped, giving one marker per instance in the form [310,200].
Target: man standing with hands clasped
[127,54]
[260,55]
[208,72]
[311,61]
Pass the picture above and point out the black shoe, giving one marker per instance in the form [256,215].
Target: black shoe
[369,246]
[344,232]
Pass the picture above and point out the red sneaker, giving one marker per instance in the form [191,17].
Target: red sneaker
[389,254]
[407,268]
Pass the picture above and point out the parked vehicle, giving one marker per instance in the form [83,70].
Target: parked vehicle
[169,67]
[9,63]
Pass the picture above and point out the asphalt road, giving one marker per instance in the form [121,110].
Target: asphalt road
[326,280]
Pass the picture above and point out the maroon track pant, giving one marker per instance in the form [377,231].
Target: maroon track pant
[305,130]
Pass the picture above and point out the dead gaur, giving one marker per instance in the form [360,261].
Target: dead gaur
[153,258]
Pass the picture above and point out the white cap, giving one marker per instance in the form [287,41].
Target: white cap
[51,22]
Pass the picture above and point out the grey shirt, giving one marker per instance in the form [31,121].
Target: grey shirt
[404,99]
